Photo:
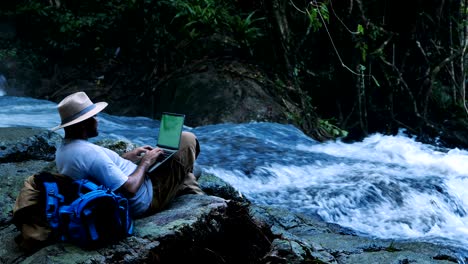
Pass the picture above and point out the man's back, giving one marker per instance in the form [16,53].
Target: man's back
[81,159]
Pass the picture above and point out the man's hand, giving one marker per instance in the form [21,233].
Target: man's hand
[150,157]
[135,155]
[135,180]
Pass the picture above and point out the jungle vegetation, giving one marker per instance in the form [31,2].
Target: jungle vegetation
[354,65]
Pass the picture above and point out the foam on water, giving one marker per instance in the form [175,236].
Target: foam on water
[387,186]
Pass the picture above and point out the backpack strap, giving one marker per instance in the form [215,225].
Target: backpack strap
[88,186]
[53,199]
[90,220]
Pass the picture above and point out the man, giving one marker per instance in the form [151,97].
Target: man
[126,174]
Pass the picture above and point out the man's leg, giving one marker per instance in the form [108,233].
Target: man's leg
[190,144]
[176,176]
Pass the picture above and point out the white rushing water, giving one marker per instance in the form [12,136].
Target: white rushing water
[384,186]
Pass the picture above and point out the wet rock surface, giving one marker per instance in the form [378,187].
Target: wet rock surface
[21,144]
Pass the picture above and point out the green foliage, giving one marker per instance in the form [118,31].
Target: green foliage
[374,32]
[82,26]
[88,30]
[200,15]
[23,57]
[331,129]
[245,31]
[295,118]
[360,29]
[8,53]
[366,39]
[316,14]
[363,47]
[441,95]
[201,18]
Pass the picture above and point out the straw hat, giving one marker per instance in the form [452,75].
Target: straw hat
[77,107]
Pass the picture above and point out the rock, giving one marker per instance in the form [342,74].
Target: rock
[213,185]
[219,92]
[310,237]
[194,228]
[24,143]
[118,146]
[12,176]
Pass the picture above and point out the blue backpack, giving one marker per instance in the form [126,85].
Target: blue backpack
[94,217]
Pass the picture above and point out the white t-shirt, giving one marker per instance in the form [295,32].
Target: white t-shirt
[81,159]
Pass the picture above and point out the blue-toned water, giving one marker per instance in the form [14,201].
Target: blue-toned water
[385,186]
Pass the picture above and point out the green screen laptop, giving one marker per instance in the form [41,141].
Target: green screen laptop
[170,131]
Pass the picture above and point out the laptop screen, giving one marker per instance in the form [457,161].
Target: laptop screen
[170,130]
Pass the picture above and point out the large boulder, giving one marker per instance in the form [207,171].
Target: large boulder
[212,92]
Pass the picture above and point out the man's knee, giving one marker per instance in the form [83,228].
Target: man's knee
[189,140]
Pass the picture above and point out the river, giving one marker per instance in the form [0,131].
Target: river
[384,186]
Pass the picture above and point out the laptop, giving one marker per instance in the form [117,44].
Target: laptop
[170,131]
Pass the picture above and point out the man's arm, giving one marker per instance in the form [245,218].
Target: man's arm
[136,179]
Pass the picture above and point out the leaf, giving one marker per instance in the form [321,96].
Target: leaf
[324,11]
[360,29]
[335,132]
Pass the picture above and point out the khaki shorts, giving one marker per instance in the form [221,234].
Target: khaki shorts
[176,177]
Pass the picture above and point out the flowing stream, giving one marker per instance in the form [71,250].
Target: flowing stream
[384,186]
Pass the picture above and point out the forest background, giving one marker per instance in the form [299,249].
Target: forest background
[338,68]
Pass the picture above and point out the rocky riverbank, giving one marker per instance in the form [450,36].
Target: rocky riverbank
[220,227]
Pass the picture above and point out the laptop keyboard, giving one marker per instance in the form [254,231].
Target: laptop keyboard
[164,155]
